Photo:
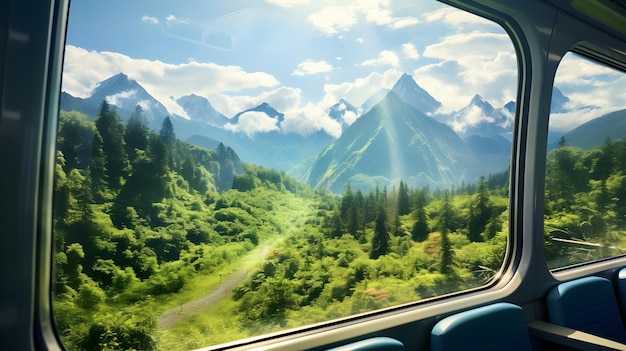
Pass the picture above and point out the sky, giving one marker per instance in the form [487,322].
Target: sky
[300,56]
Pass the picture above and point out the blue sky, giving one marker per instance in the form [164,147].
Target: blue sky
[301,56]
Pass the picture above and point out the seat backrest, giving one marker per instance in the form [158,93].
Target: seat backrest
[587,304]
[500,326]
[621,290]
[372,344]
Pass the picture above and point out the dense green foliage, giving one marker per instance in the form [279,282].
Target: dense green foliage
[585,214]
[145,223]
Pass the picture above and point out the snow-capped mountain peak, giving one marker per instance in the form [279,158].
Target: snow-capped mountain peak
[125,93]
[343,112]
[200,109]
[410,92]
[479,117]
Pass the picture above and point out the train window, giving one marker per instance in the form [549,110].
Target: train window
[229,169]
[585,193]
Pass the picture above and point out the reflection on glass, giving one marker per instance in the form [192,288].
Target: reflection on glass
[585,185]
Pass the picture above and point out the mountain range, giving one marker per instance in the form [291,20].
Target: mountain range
[395,134]
[392,141]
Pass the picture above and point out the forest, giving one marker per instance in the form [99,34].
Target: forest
[144,224]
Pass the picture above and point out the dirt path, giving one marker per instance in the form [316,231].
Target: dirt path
[172,316]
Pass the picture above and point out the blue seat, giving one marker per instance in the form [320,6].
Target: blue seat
[587,304]
[500,326]
[621,289]
[372,344]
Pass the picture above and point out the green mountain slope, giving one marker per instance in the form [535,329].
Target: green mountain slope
[595,132]
[392,141]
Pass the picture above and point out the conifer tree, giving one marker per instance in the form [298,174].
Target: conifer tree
[420,229]
[97,168]
[444,221]
[113,146]
[346,202]
[353,224]
[167,132]
[369,208]
[404,204]
[136,133]
[480,212]
[380,240]
[336,227]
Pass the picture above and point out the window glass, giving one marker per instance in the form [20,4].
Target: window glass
[227,169]
[585,208]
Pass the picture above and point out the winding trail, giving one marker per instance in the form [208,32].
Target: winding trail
[170,317]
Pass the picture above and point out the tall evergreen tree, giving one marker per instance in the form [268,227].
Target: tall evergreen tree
[346,202]
[113,146]
[354,221]
[445,218]
[136,133]
[420,229]
[369,208]
[380,240]
[404,204]
[97,168]
[480,212]
[603,164]
[336,227]
[167,132]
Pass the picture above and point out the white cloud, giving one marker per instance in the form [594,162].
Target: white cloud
[376,11]
[471,118]
[284,99]
[564,122]
[287,3]
[349,117]
[309,119]
[171,18]
[301,119]
[150,19]
[410,51]
[310,67]
[361,89]
[83,69]
[455,18]
[341,17]
[117,98]
[334,19]
[579,71]
[385,58]
[404,22]
[470,63]
[360,40]
[593,89]
[253,122]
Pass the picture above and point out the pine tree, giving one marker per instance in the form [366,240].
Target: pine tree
[113,146]
[97,168]
[404,204]
[420,229]
[369,208]
[167,132]
[336,227]
[445,219]
[480,212]
[354,222]
[447,255]
[380,240]
[136,133]
[346,202]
